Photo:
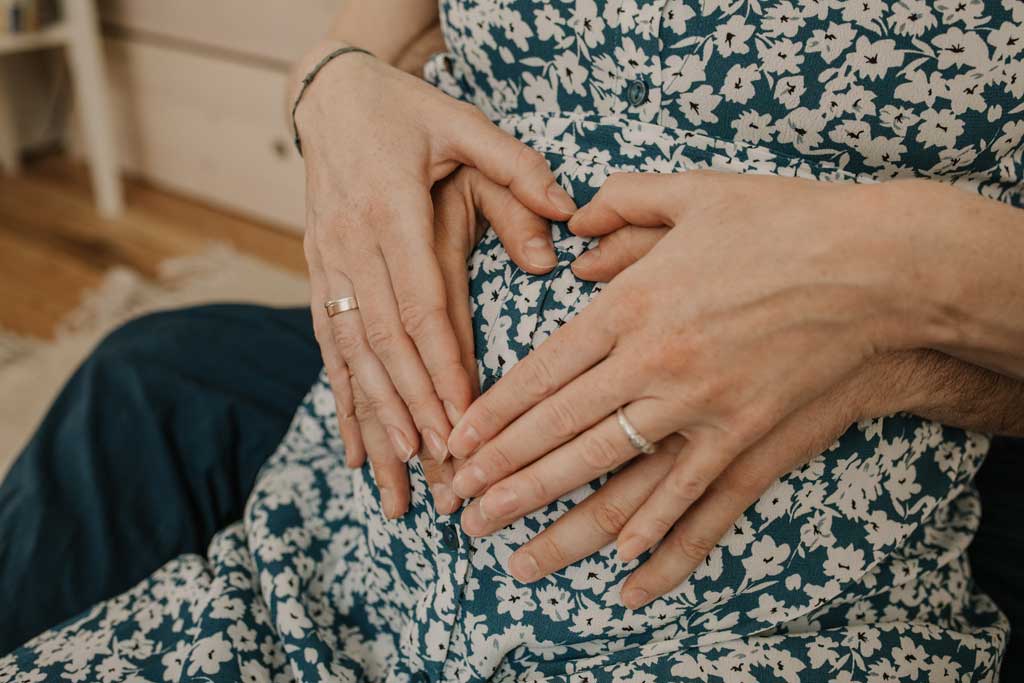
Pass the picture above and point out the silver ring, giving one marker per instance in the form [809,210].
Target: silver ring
[336,306]
[636,439]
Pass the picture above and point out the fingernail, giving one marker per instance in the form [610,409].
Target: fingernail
[630,548]
[635,598]
[498,503]
[453,413]
[453,503]
[574,220]
[401,444]
[444,499]
[436,445]
[469,481]
[463,440]
[540,253]
[387,503]
[560,198]
[587,258]
[524,567]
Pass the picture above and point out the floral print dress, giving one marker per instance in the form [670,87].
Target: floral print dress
[852,568]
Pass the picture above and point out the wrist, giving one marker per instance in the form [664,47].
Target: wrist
[302,66]
[316,80]
[909,236]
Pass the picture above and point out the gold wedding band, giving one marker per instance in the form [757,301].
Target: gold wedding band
[336,306]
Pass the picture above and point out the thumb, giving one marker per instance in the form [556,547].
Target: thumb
[616,252]
[511,164]
[647,199]
[525,235]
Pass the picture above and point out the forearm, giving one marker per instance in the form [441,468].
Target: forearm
[948,390]
[963,266]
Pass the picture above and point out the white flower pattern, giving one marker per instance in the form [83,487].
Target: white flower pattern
[851,568]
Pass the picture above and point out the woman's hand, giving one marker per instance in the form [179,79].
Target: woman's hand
[883,386]
[465,203]
[375,140]
[764,299]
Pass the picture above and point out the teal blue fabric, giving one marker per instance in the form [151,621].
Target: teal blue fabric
[150,449]
[34,501]
[853,567]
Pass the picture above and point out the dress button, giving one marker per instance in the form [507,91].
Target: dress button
[636,93]
[450,537]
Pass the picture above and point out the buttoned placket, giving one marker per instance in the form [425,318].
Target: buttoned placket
[452,550]
[640,47]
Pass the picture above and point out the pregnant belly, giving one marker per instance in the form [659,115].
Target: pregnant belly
[889,505]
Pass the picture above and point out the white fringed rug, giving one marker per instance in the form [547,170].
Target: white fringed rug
[33,371]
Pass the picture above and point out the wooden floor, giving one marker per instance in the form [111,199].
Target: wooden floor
[53,245]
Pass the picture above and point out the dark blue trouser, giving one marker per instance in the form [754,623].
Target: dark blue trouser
[151,448]
[154,445]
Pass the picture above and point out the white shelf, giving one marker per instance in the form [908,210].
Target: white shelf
[51,36]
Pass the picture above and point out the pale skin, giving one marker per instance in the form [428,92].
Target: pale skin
[376,140]
[749,322]
[778,321]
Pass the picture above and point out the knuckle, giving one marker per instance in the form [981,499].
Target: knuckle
[599,453]
[741,486]
[374,404]
[486,414]
[686,488]
[362,405]
[497,459]
[419,405]
[447,377]
[657,528]
[609,518]
[541,377]
[549,552]
[420,319]
[694,547]
[349,341]
[380,336]
[535,485]
[560,420]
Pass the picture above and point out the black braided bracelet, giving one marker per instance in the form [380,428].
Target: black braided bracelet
[309,79]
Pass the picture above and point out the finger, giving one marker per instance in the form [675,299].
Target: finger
[439,481]
[646,199]
[525,235]
[338,376]
[350,338]
[794,442]
[419,346]
[687,545]
[616,252]
[335,366]
[389,472]
[569,351]
[597,451]
[507,161]
[700,462]
[595,522]
[453,251]
[559,419]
